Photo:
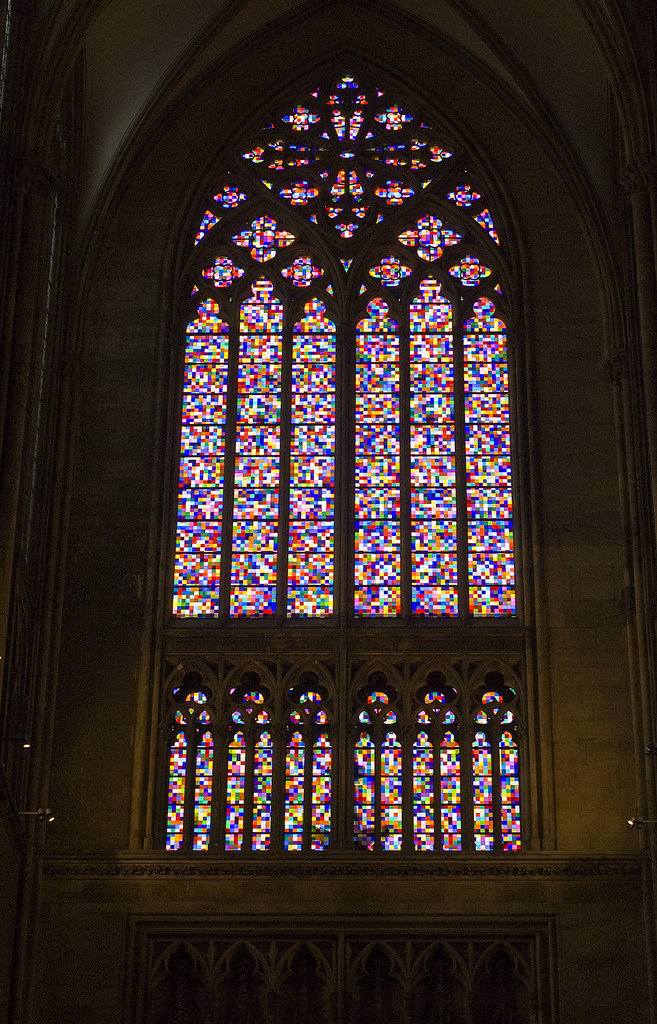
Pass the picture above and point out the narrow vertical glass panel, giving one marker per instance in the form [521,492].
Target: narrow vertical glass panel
[203,791]
[423,807]
[391,793]
[488,464]
[294,773]
[434,584]
[482,792]
[201,487]
[263,763]
[450,792]
[176,801]
[235,792]
[378,546]
[257,455]
[364,795]
[509,792]
[312,465]
[321,793]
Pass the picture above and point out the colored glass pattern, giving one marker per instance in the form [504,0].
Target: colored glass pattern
[300,119]
[390,271]
[482,792]
[485,221]
[450,791]
[203,791]
[302,272]
[208,222]
[377,469]
[394,192]
[429,237]
[393,118]
[263,765]
[364,792]
[312,465]
[434,582]
[299,193]
[294,796]
[509,791]
[223,272]
[200,495]
[257,450]
[470,271]
[321,790]
[488,464]
[230,197]
[176,796]
[391,793]
[263,239]
[235,794]
[423,797]
[463,195]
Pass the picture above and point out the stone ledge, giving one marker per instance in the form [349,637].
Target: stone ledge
[208,866]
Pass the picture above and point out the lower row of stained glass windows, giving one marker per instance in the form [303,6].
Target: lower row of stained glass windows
[438,781]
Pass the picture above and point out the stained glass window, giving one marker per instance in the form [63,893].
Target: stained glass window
[346,454]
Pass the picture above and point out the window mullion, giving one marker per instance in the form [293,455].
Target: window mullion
[219,779]
[285,470]
[251,737]
[405,466]
[345,514]
[308,730]
[229,466]
[190,785]
[494,736]
[466,736]
[461,486]
[407,731]
[377,734]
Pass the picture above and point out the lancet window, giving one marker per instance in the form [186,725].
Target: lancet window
[346,431]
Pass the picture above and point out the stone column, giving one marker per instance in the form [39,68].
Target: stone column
[37,187]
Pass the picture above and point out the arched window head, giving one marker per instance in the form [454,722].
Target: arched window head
[346,438]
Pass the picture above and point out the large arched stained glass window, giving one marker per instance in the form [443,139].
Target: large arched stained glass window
[346,437]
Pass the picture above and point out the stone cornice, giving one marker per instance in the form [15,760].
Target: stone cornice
[448,866]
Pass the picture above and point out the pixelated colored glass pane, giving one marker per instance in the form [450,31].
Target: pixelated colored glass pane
[201,488]
[321,793]
[509,792]
[463,195]
[438,154]
[423,807]
[429,237]
[390,271]
[294,795]
[203,791]
[263,239]
[393,118]
[300,119]
[310,697]
[208,222]
[450,792]
[223,272]
[482,793]
[377,547]
[394,192]
[488,464]
[302,272]
[299,193]
[255,501]
[378,697]
[256,155]
[485,221]
[470,271]
[229,197]
[176,795]
[391,793]
[364,793]
[434,582]
[312,464]
[235,775]
[263,761]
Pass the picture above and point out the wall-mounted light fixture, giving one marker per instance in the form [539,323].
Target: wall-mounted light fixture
[42,814]
[640,822]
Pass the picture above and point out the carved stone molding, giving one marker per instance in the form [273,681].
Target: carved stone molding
[640,175]
[501,866]
[36,179]
[617,366]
